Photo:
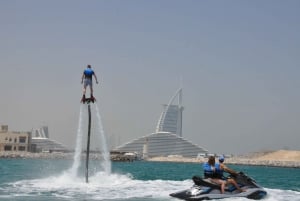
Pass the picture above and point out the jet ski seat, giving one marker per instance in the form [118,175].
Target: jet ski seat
[207,182]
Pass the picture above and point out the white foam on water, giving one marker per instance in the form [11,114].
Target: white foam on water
[274,195]
[103,186]
[282,195]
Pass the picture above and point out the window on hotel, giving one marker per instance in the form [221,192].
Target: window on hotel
[22,139]
[22,148]
[7,148]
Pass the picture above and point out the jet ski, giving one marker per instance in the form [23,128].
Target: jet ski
[204,189]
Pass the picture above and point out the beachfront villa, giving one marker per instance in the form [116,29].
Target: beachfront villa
[14,141]
[36,140]
[167,139]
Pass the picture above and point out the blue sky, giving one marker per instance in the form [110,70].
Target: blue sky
[238,60]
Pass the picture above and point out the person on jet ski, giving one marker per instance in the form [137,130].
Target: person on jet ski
[221,168]
[210,173]
[213,172]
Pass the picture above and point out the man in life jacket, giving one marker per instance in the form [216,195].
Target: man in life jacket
[87,80]
[221,168]
[211,173]
[214,172]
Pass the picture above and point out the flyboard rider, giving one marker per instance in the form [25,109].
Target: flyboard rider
[87,80]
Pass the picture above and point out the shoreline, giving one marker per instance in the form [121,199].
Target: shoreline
[232,161]
[280,158]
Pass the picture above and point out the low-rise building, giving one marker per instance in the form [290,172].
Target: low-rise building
[14,141]
[40,141]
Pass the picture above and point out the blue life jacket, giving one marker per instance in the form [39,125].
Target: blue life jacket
[88,72]
[208,171]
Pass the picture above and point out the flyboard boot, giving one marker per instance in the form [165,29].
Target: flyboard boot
[83,99]
[93,99]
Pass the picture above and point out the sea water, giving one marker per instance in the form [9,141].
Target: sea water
[64,180]
[47,180]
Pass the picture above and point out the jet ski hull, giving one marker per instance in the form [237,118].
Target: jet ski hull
[255,194]
[205,190]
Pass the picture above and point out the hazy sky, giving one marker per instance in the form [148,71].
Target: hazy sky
[239,62]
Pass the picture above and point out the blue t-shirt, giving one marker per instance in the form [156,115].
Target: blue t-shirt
[88,72]
[219,171]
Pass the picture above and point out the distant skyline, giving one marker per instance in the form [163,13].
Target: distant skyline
[238,61]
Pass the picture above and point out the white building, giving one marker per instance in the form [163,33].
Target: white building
[167,140]
[42,143]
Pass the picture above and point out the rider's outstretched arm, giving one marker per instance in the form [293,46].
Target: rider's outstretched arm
[82,77]
[231,171]
[96,78]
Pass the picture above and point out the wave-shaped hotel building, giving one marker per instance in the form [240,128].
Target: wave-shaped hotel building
[167,139]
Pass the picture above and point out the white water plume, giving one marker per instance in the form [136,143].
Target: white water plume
[78,148]
[106,163]
[100,144]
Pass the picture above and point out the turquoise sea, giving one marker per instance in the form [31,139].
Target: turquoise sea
[47,180]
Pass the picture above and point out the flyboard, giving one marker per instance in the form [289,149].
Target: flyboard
[88,101]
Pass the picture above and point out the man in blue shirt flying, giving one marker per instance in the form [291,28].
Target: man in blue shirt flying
[87,80]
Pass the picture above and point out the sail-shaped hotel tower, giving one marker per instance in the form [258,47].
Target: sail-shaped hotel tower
[167,139]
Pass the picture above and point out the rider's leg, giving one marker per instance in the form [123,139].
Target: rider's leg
[91,89]
[84,87]
[84,90]
[232,181]
[221,182]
